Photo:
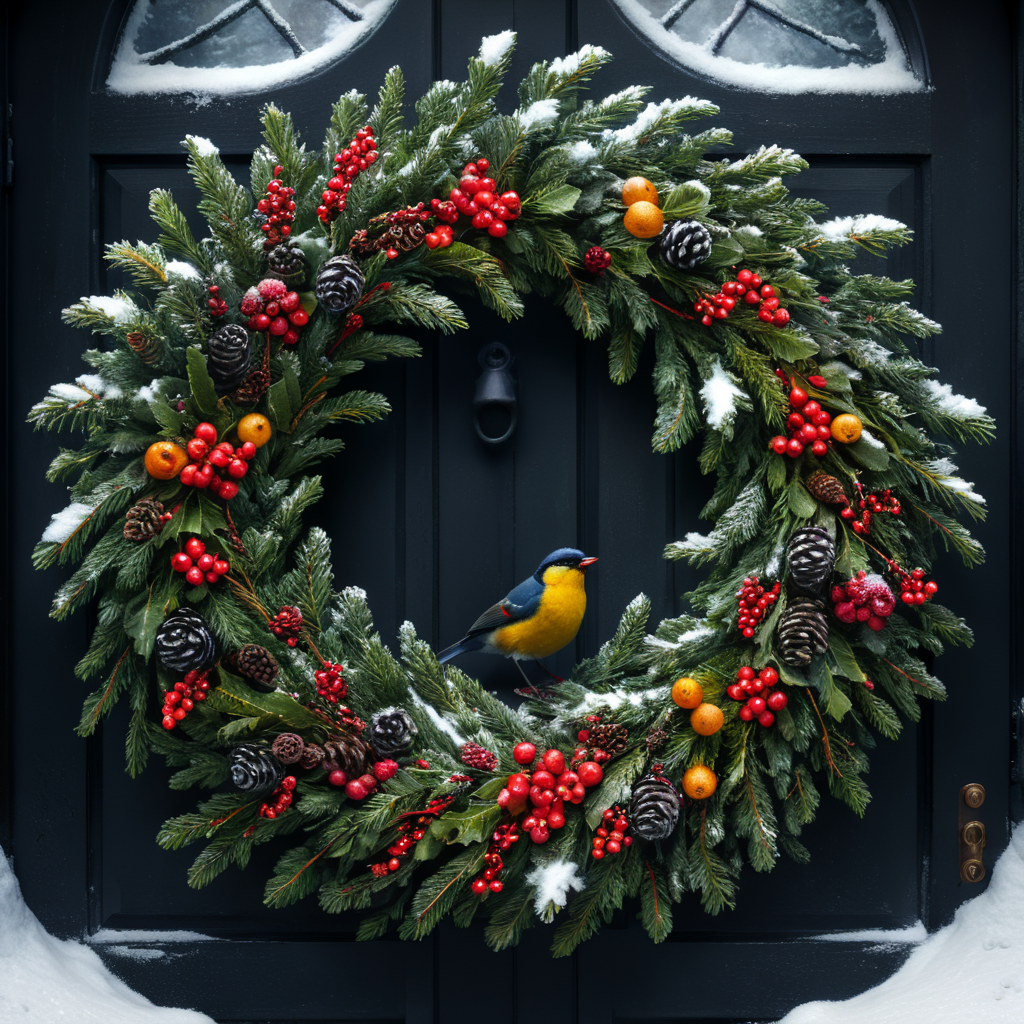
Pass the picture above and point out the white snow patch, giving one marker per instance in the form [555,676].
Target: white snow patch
[65,522]
[954,483]
[539,113]
[118,310]
[570,64]
[910,935]
[112,935]
[891,76]
[693,542]
[652,113]
[98,386]
[581,152]
[970,970]
[951,403]
[204,147]
[149,392]
[44,980]
[631,92]
[438,719]
[71,393]
[696,633]
[553,882]
[748,229]
[493,48]
[613,699]
[839,229]
[182,269]
[720,396]
[944,467]
[868,438]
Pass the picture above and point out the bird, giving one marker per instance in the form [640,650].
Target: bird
[537,618]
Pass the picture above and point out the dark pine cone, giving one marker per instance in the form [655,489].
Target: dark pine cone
[339,284]
[811,556]
[654,808]
[288,747]
[143,520]
[183,642]
[609,737]
[228,354]
[656,739]
[258,666]
[312,755]
[392,732]
[803,632]
[684,244]
[287,263]
[826,488]
[254,769]
[346,753]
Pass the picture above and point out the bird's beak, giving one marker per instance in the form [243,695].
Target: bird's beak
[584,562]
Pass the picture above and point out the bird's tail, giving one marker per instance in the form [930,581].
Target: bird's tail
[473,643]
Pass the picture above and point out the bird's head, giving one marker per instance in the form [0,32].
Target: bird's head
[563,560]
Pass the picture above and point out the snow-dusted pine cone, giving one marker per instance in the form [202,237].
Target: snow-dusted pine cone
[827,489]
[802,632]
[228,354]
[143,520]
[684,244]
[258,666]
[654,808]
[254,769]
[811,556]
[479,757]
[287,263]
[184,643]
[339,284]
[392,732]
[287,747]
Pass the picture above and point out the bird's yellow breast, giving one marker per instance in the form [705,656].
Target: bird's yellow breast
[556,622]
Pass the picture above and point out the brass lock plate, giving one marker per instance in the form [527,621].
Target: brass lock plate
[972,833]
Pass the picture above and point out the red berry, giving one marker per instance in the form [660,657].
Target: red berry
[794,421]
[298,318]
[778,444]
[794,448]
[519,786]
[221,567]
[260,322]
[181,562]
[197,449]
[479,886]
[497,229]
[746,714]
[278,326]
[272,309]
[780,317]
[247,451]
[590,773]
[756,705]
[194,547]
[227,490]
[194,576]
[797,398]
[777,701]
[554,761]
[766,718]
[735,691]
[237,468]
[746,673]
[524,753]
[539,834]
[205,562]
[355,790]
[820,448]
[206,432]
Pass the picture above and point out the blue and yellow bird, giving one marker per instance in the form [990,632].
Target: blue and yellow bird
[537,618]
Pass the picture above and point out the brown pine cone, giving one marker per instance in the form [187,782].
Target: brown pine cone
[312,755]
[827,489]
[252,388]
[403,237]
[362,244]
[147,348]
[346,753]
[610,737]
[288,747]
[144,520]
[258,665]
[656,739]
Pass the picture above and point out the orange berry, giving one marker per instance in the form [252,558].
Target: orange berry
[699,782]
[644,219]
[638,188]
[846,428]
[255,428]
[687,692]
[165,460]
[707,719]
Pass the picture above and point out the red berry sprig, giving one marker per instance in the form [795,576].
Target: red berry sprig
[181,700]
[475,197]
[808,423]
[870,504]
[411,830]
[753,603]
[198,564]
[755,690]
[217,306]
[329,683]
[501,840]
[278,206]
[914,589]
[597,260]
[270,306]
[583,752]
[280,799]
[755,293]
[286,624]
[348,165]
[215,466]
[863,598]
[611,835]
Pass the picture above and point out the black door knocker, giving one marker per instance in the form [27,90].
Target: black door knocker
[494,404]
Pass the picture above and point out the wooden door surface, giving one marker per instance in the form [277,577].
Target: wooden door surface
[435,525]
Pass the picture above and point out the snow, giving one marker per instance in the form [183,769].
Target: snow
[204,147]
[869,439]
[910,935]
[71,393]
[653,113]
[438,719]
[890,77]
[748,229]
[130,75]
[64,523]
[693,543]
[613,699]
[182,269]
[118,310]
[45,980]
[632,92]
[951,403]
[954,483]
[840,229]
[98,386]
[720,396]
[569,65]
[149,392]
[973,969]
[493,48]
[112,935]
[581,152]
[539,113]
[696,633]
[553,881]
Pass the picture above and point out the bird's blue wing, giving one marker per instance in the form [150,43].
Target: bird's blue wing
[519,604]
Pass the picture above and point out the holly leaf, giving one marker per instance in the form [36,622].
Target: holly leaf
[146,611]
[725,252]
[789,346]
[233,697]
[308,302]
[204,398]
[840,653]
[199,515]
[787,727]
[280,407]
[868,455]
[834,702]
[473,825]
[801,503]
[559,200]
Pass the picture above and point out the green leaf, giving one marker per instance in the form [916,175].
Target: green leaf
[834,702]
[801,503]
[784,344]
[473,825]
[868,455]
[841,653]
[559,200]
[308,301]
[279,404]
[233,697]
[146,611]
[204,394]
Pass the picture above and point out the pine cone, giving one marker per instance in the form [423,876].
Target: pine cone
[609,737]
[802,632]
[811,556]
[146,347]
[654,808]
[827,489]
[339,284]
[184,643]
[479,757]
[228,354]
[312,755]
[684,244]
[254,769]
[402,237]
[287,263]
[392,732]
[144,520]
[288,747]
[253,387]
[362,244]
[656,739]
[258,666]
[346,753]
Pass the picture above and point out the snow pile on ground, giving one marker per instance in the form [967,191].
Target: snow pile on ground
[44,980]
[972,970]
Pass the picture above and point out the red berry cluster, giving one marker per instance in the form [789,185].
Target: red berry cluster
[583,752]
[597,260]
[870,505]
[329,683]
[808,423]
[753,602]
[475,197]
[208,458]
[501,840]
[755,689]
[270,306]
[546,789]
[217,306]
[286,624]
[863,598]
[180,701]
[412,829]
[280,799]
[361,152]
[479,757]
[754,291]
[913,588]
[278,205]
[440,235]
[198,565]
[611,836]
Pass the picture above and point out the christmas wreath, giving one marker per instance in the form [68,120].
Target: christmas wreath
[403,789]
